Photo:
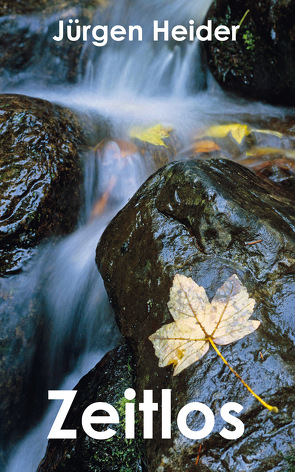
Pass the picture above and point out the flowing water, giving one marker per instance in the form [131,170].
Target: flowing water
[140,83]
[29,451]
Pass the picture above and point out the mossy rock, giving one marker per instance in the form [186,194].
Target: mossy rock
[106,382]
[260,63]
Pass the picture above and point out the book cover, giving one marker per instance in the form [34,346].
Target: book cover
[147,236]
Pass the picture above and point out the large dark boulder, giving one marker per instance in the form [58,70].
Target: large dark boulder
[106,382]
[260,64]
[40,175]
[194,218]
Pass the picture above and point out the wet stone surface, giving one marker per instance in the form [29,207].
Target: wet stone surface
[156,156]
[260,63]
[28,51]
[194,218]
[40,175]
[106,382]
[24,7]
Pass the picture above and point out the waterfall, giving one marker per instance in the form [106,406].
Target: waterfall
[30,450]
[146,68]
[66,287]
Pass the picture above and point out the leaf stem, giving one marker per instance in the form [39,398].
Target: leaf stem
[245,14]
[269,407]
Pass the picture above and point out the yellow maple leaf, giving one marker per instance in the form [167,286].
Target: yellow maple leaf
[199,323]
[237,130]
[154,135]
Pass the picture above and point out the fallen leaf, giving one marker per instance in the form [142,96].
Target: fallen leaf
[237,130]
[268,131]
[205,146]
[196,320]
[154,135]
[199,323]
[259,152]
[126,147]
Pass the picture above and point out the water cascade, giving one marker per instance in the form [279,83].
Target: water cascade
[147,68]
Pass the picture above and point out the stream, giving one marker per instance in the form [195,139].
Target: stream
[142,84]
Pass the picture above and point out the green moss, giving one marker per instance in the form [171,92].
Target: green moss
[291,462]
[119,454]
[235,58]
[249,40]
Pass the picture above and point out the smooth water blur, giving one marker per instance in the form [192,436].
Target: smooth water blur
[68,291]
[147,68]
[73,293]
[31,449]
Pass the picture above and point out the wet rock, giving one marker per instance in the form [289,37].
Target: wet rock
[40,198]
[40,175]
[194,218]
[22,346]
[28,51]
[106,382]
[156,156]
[24,7]
[35,352]
[279,170]
[260,63]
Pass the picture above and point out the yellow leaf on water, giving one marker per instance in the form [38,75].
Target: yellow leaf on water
[237,130]
[199,323]
[154,135]
[268,131]
[260,152]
